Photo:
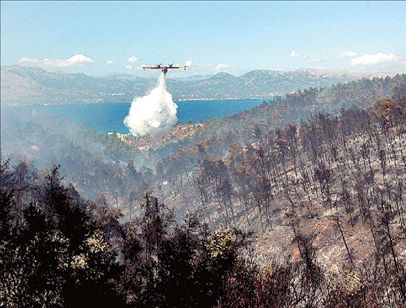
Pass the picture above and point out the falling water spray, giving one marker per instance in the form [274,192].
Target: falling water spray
[153,114]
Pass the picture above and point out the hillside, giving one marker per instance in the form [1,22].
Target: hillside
[82,153]
[293,215]
[259,83]
[28,85]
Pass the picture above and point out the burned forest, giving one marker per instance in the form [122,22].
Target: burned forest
[299,202]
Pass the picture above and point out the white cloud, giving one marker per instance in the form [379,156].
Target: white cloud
[188,63]
[378,58]
[72,61]
[129,67]
[348,54]
[109,62]
[221,67]
[132,59]
[297,54]
[25,60]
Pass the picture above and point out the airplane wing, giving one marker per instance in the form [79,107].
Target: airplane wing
[163,67]
[177,66]
[152,67]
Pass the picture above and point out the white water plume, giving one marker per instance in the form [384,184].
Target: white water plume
[153,114]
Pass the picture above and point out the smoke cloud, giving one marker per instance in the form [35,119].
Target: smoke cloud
[153,114]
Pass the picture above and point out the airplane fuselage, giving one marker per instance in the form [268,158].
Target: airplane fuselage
[164,68]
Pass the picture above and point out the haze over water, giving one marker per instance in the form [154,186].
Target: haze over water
[108,117]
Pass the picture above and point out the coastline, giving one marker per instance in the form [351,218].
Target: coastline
[121,102]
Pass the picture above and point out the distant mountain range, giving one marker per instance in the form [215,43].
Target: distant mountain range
[30,85]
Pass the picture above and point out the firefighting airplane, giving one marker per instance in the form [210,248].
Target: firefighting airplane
[164,68]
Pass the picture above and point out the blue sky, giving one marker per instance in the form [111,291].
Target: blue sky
[104,37]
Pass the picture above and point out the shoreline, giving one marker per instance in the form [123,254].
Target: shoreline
[121,103]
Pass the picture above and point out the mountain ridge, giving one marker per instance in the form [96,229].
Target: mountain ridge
[33,85]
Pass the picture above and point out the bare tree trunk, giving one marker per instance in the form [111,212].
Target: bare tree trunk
[337,219]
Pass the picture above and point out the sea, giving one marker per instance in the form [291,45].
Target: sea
[108,117]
